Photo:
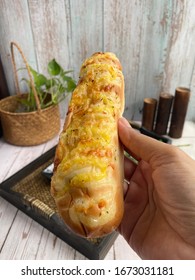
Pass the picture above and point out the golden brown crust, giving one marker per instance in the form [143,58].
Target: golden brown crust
[87,184]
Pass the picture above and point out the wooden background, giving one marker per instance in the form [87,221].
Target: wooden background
[154,39]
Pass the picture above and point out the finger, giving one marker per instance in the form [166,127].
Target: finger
[130,153]
[129,168]
[142,146]
[136,199]
[126,147]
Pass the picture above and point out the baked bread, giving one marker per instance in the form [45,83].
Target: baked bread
[87,183]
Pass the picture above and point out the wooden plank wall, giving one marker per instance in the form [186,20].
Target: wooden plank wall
[153,39]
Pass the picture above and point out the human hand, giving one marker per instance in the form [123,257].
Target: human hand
[159,217]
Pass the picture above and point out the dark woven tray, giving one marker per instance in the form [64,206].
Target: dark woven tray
[29,191]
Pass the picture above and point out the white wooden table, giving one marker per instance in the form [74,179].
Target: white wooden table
[23,238]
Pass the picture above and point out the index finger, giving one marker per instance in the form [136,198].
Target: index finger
[144,147]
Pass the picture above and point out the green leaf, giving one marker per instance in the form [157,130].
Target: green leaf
[39,79]
[50,90]
[71,86]
[54,68]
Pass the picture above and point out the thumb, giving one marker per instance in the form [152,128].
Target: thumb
[144,147]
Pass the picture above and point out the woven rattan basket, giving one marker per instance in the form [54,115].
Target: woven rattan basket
[28,128]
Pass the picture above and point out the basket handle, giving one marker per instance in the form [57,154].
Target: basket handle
[29,73]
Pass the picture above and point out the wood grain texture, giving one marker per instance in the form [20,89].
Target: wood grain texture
[15,26]
[86,21]
[122,36]
[53,248]
[180,55]
[153,40]
[50,32]
[139,42]
[7,158]
[7,216]
[27,231]
[127,254]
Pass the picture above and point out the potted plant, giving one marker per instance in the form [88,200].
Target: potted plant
[50,91]
[33,118]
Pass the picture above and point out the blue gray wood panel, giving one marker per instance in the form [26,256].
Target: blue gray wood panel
[153,39]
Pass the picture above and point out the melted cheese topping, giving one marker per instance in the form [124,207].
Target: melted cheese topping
[87,150]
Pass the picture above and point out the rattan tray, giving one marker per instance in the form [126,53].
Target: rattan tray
[29,191]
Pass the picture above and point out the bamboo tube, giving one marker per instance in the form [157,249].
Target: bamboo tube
[182,96]
[149,110]
[163,113]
